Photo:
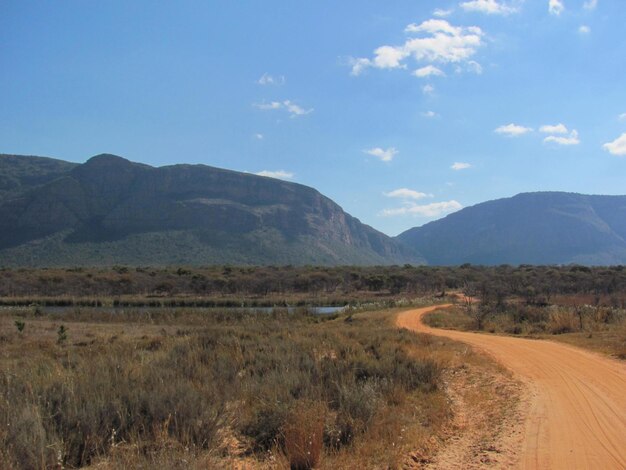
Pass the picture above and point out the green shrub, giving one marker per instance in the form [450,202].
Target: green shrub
[19,324]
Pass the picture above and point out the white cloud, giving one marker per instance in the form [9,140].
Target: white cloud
[267,79]
[259,136]
[428,71]
[553,129]
[559,134]
[513,130]
[441,13]
[270,105]
[572,139]
[491,7]
[278,174]
[296,110]
[556,7]
[430,114]
[590,4]
[474,67]
[428,89]
[617,147]
[359,65]
[622,117]
[293,109]
[433,209]
[389,57]
[456,166]
[384,155]
[437,42]
[584,29]
[405,193]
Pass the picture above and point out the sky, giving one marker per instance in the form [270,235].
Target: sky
[401,112]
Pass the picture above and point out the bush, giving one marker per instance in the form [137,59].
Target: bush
[303,434]
[562,321]
[267,380]
[265,424]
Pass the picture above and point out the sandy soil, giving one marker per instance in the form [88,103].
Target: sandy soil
[575,415]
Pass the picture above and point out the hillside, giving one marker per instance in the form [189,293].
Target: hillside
[18,173]
[112,211]
[530,228]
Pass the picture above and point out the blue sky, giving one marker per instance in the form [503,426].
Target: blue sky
[399,111]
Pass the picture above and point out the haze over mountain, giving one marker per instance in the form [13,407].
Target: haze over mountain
[112,211]
[530,228]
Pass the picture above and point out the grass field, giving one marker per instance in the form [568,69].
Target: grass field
[187,388]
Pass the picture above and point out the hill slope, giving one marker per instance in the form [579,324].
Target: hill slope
[530,228]
[113,211]
[18,173]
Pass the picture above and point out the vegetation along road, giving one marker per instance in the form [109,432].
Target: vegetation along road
[576,410]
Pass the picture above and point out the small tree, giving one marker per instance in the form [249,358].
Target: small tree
[19,324]
[61,334]
[478,311]
[480,314]
[469,292]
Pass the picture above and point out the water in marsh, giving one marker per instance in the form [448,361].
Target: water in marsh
[315,310]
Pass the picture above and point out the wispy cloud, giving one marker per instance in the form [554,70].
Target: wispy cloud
[456,166]
[296,110]
[474,67]
[428,89]
[622,117]
[584,29]
[267,79]
[441,13]
[293,109]
[278,174]
[556,7]
[259,136]
[436,41]
[572,139]
[553,129]
[384,155]
[430,114]
[270,105]
[590,4]
[617,147]
[433,209]
[513,130]
[429,71]
[491,7]
[407,194]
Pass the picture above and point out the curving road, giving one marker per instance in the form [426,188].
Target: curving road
[576,418]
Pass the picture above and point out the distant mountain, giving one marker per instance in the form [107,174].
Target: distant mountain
[18,173]
[530,228]
[112,211]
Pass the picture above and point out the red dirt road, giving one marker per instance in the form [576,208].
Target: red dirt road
[576,416]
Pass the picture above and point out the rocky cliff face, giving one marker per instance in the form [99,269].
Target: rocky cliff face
[191,214]
[531,228]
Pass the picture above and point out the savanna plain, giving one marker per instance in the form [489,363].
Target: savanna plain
[232,367]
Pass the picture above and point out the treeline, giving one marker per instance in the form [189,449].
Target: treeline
[534,283]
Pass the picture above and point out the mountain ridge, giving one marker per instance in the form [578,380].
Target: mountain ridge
[110,210]
[547,227]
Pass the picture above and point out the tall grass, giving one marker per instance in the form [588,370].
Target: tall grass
[598,326]
[295,383]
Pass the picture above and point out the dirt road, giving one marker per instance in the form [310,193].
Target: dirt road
[576,417]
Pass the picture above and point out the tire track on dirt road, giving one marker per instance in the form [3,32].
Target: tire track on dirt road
[576,415]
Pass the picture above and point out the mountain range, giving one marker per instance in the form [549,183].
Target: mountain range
[530,228]
[110,211]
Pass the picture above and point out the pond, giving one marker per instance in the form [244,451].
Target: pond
[315,310]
